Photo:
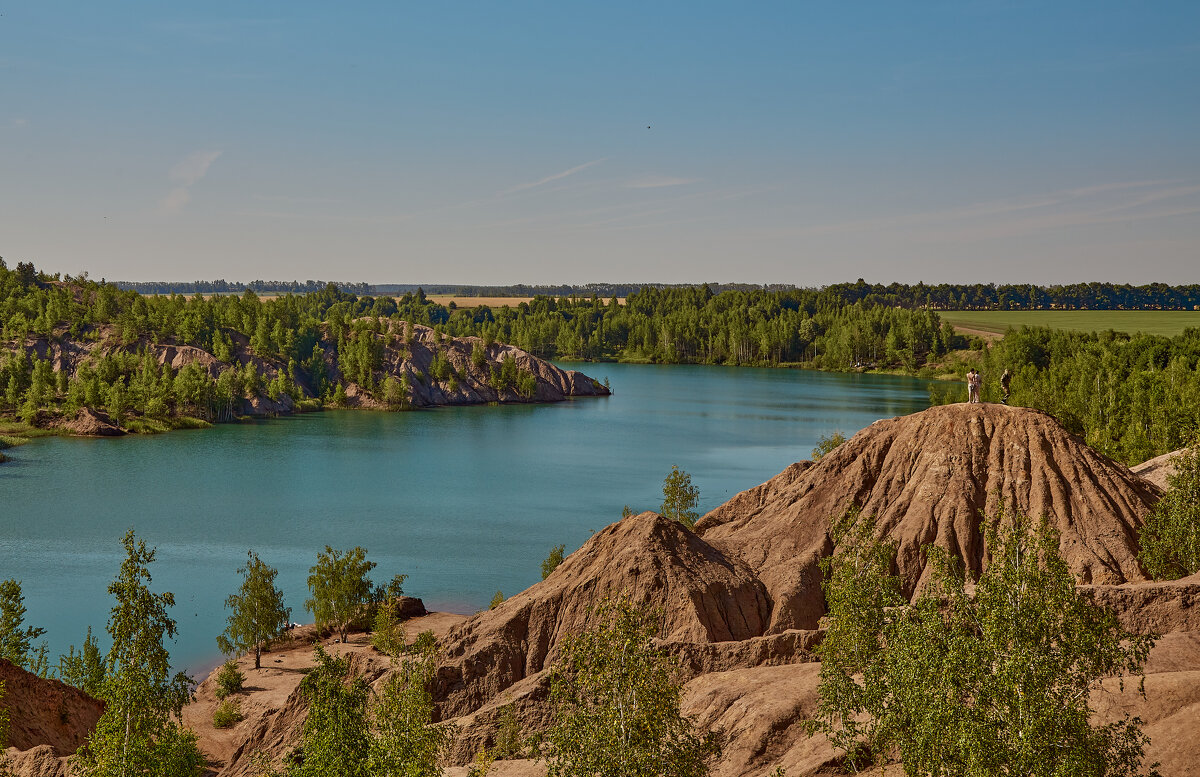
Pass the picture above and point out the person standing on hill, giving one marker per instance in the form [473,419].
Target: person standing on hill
[1005,380]
[973,382]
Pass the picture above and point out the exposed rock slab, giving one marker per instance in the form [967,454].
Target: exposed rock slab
[930,478]
[92,423]
[1153,607]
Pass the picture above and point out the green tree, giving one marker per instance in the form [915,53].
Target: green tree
[405,742]
[616,704]
[16,639]
[553,560]
[997,681]
[336,736]
[85,669]
[340,588]
[680,498]
[139,732]
[387,632]
[258,614]
[1170,538]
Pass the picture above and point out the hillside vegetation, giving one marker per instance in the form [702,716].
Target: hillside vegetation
[1131,396]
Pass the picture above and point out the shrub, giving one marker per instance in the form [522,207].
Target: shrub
[387,633]
[425,643]
[1170,538]
[680,498]
[229,680]
[553,560]
[826,445]
[497,600]
[227,714]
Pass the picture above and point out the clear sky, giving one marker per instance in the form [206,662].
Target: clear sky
[506,142]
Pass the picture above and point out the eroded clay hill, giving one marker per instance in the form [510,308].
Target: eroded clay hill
[46,713]
[704,597]
[932,477]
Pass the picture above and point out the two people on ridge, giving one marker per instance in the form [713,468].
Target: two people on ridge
[975,382]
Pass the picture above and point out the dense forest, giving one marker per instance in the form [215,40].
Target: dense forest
[941,296]
[1131,396]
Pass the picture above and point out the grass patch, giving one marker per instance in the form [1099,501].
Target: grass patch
[1167,323]
[146,426]
[14,432]
[309,405]
[188,422]
[10,441]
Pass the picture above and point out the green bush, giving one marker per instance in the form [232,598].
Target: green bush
[425,643]
[230,679]
[387,633]
[553,560]
[227,714]
[826,445]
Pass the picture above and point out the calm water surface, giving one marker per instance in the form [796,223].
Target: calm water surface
[466,501]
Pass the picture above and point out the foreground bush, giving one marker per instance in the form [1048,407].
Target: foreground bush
[993,682]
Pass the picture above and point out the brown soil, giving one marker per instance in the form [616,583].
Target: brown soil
[46,713]
[932,477]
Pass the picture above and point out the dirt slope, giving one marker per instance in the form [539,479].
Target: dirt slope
[928,478]
[46,712]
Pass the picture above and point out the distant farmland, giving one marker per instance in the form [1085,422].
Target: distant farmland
[1157,322]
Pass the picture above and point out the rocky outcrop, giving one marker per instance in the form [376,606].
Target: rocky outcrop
[46,712]
[703,596]
[468,371]
[933,477]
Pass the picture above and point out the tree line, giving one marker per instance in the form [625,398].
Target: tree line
[1131,396]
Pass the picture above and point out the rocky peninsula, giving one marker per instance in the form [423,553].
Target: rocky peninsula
[408,367]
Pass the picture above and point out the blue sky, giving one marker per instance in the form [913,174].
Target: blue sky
[490,142]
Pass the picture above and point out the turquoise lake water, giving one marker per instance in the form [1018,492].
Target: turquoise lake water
[466,501]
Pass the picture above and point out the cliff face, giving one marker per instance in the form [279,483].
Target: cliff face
[436,370]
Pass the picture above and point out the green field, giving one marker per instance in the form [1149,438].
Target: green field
[1156,322]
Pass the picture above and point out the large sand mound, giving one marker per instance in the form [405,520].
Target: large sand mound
[932,477]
